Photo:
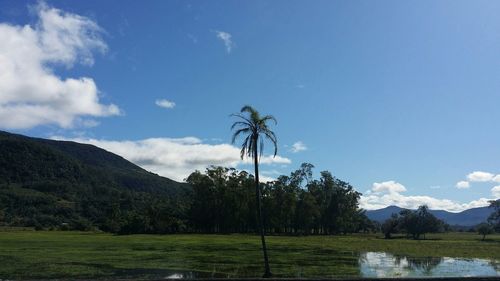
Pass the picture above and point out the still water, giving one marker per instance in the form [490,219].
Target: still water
[380,264]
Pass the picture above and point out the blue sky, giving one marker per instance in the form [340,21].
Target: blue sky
[399,98]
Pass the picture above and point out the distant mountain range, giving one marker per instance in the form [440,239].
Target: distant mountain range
[468,217]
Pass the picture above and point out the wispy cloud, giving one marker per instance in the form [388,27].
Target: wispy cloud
[226,38]
[495,191]
[463,184]
[165,103]
[193,38]
[298,147]
[30,93]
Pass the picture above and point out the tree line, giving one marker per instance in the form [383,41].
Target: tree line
[413,223]
[416,223]
[218,200]
[492,224]
[224,202]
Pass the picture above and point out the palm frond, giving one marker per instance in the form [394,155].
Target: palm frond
[269,118]
[238,115]
[272,137]
[238,132]
[250,146]
[247,108]
[241,123]
[252,125]
[254,114]
[261,148]
[244,147]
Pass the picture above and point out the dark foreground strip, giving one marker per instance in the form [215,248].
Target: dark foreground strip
[497,278]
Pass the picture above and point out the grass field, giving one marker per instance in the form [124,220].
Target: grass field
[54,254]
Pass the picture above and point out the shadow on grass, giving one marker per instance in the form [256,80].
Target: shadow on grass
[492,241]
[409,238]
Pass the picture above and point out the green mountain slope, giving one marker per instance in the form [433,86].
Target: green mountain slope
[49,183]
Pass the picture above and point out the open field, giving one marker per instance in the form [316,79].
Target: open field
[53,254]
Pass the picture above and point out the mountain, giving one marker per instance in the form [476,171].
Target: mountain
[468,217]
[51,183]
[381,215]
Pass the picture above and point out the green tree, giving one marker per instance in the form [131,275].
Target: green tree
[419,222]
[307,212]
[494,218]
[390,226]
[428,223]
[202,213]
[484,229]
[256,130]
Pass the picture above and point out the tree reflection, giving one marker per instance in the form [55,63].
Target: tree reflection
[425,264]
[381,264]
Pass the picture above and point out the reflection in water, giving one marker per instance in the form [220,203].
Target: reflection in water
[194,275]
[149,273]
[380,264]
[370,264]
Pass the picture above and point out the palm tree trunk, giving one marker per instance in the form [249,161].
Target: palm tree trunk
[267,273]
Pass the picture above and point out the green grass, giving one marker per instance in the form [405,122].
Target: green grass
[52,254]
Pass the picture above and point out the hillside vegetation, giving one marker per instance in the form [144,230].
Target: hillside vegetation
[47,183]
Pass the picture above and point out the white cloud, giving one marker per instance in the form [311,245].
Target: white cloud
[496,178]
[463,184]
[31,94]
[264,176]
[271,172]
[264,179]
[226,38]
[267,159]
[165,103]
[271,160]
[371,202]
[298,147]
[389,193]
[389,186]
[495,191]
[177,158]
[479,176]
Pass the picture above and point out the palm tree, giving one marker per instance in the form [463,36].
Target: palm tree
[256,130]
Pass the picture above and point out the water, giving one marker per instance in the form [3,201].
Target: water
[380,264]
[194,275]
[370,264]
[148,273]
